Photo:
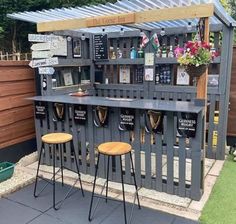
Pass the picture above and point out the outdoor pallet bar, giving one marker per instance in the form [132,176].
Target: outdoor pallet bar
[132,89]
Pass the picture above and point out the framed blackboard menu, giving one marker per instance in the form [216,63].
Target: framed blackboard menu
[127,119]
[80,114]
[100,47]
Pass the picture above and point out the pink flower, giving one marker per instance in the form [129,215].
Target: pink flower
[178,51]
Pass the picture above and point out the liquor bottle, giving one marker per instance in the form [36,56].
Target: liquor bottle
[158,54]
[133,53]
[119,53]
[171,53]
[140,53]
[164,51]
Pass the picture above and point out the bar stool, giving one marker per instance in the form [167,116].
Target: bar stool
[111,149]
[57,140]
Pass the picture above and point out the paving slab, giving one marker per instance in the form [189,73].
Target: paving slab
[11,212]
[76,208]
[44,201]
[179,220]
[46,219]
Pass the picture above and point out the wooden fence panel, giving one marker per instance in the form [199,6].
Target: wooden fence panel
[16,112]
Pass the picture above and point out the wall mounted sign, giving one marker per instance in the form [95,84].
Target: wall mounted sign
[46,70]
[154,121]
[100,47]
[111,20]
[40,109]
[187,124]
[80,114]
[149,59]
[44,62]
[149,74]
[182,76]
[59,111]
[43,38]
[124,74]
[101,116]
[127,119]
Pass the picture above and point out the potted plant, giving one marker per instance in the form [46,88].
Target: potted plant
[195,57]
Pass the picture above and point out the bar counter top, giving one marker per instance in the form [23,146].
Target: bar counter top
[161,105]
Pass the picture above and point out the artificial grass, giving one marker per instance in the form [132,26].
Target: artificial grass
[221,206]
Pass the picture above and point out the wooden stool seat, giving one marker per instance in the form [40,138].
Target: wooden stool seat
[56,138]
[114,148]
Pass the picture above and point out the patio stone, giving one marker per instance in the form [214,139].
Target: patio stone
[46,219]
[179,220]
[217,167]
[12,212]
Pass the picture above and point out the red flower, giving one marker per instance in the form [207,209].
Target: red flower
[206,46]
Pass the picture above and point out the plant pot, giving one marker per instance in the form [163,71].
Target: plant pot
[194,71]
[6,170]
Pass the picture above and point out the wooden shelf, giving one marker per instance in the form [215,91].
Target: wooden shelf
[121,61]
[74,62]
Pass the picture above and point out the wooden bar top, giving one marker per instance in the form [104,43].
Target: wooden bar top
[161,105]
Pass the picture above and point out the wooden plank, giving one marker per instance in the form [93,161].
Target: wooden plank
[16,130]
[9,102]
[17,140]
[158,147]
[154,15]
[8,117]
[16,88]
[16,74]
[182,166]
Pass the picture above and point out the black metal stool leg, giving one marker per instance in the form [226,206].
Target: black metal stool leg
[54,174]
[94,183]
[77,167]
[62,158]
[135,183]
[108,163]
[123,189]
[36,181]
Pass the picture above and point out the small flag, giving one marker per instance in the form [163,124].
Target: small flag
[145,40]
[155,41]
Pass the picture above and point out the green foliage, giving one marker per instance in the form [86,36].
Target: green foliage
[221,206]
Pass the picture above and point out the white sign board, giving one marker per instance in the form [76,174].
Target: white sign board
[43,38]
[45,46]
[60,48]
[43,62]
[42,54]
[46,70]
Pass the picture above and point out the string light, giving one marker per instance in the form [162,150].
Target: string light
[122,31]
[189,26]
[141,33]
[163,32]
[83,37]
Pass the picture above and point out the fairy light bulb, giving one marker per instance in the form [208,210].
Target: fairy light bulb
[122,31]
[141,33]
[189,26]
[83,37]
[163,32]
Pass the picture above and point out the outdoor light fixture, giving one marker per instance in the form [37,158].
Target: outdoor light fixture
[141,33]
[122,31]
[103,31]
[163,32]
[189,26]
[83,37]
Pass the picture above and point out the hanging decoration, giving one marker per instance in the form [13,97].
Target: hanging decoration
[155,41]
[145,41]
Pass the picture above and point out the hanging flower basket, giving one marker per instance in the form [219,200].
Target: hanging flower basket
[194,71]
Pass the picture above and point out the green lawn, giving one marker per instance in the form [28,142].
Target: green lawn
[221,206]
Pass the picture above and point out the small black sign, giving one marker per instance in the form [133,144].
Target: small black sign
[80,114]
[100,47]
[40,110]
[187,124]
[127,119]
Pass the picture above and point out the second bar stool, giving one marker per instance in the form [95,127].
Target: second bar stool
[57,139]
[111,149]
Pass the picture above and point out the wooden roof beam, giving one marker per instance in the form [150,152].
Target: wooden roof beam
[154,15]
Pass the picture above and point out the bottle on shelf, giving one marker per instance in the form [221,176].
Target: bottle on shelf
[141,53]
[164,51]
[112,54]
[133,53]
[158,53]
[119,53]
[171,53]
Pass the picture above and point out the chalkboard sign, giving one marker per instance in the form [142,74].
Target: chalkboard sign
[40,110]
[80,114]
[100,47]
[187,124]
[127,119]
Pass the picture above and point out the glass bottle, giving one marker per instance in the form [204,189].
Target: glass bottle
[171,53]
[158,54]
[164,51]
[140,53]
[133,53]
[119,53]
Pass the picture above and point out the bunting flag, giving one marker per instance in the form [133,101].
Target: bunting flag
[155,42]
[145,40]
